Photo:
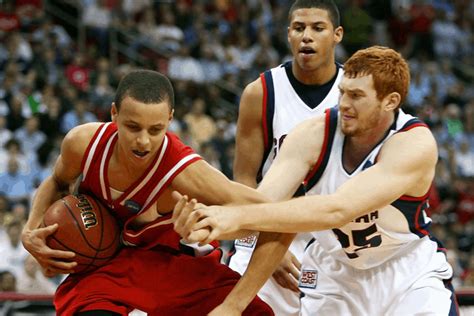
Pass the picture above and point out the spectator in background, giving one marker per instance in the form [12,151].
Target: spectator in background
[12,149]
[97,19]
[7,281]
[16,184]
[32,281]
[183,66]
[79,115]
[447,36]
[50,120]
[357,27]
[201,126]
[101,96]
[422,15]
[5,133]
[464,157]
[47,28]
[13,253]
[29,136]
[77,73]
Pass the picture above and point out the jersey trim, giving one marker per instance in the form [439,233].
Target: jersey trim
[104,167]
[91,148]
[268,111]
[170,176]
[329,132]
[149,174]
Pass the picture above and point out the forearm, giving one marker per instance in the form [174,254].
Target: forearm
[297,215]
[270,249]
[48,192]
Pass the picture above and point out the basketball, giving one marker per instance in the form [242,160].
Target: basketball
[86,228]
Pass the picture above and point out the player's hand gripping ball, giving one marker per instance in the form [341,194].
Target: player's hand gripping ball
[86,228]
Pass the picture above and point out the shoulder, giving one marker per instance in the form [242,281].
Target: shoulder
[78,138]
[416,147]
[254,89]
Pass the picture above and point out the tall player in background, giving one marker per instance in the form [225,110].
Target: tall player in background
[367,168]
[131,165]
[270,107]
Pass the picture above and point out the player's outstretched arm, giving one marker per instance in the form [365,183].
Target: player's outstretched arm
[208,185]
[298,154]
[66,170]
[249,140]
[405,167]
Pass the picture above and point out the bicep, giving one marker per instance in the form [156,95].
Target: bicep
[250,137]
[294,161]
[405,167]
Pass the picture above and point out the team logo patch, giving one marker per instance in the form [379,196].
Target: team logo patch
[248,242]
[133,206]
[308,279]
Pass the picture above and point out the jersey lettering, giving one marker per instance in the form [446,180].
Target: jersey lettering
[361,239]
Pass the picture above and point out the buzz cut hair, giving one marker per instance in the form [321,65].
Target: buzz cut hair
[145,86]
[327,5]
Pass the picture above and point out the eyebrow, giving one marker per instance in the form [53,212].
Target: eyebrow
[351,90]
[159,125]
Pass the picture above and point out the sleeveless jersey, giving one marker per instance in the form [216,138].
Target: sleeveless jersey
[282,110]
[172,157]
[381,234]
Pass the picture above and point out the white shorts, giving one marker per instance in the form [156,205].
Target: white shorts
[410,284]
[283,301]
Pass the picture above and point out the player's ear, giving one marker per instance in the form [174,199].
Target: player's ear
[392,101]
[338,34]
[114,112]
[171,115]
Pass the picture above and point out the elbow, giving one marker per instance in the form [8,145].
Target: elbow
[338,215]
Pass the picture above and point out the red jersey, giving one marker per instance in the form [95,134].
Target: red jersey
[172,157]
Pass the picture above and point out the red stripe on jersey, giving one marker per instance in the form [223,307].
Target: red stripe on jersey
[417,223]
[415,198]
[413,126]
[323,149]
[264,111]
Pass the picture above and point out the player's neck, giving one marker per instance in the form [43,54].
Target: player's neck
[314,76]
[121,165]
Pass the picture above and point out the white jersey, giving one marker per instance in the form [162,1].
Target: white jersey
[374,238]
[283,109]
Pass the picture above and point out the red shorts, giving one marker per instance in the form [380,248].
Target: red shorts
[154,281]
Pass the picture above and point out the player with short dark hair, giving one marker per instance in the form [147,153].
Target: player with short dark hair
[270,108]
[131,165]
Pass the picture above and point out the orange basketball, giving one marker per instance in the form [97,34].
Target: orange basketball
[86,228]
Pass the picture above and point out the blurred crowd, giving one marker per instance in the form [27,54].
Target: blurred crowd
[50,83]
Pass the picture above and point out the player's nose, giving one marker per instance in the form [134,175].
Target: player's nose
[143,139]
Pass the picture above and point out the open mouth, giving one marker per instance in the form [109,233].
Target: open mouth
[140,154]
[307,51]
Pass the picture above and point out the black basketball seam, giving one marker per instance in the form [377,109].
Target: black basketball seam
[117,235]
[79,227]
[77,252]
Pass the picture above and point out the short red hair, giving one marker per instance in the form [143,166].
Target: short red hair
[389,70]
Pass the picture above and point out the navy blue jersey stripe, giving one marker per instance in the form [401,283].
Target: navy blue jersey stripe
[267,118]
[414,122]
[331,125]
[413,212]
